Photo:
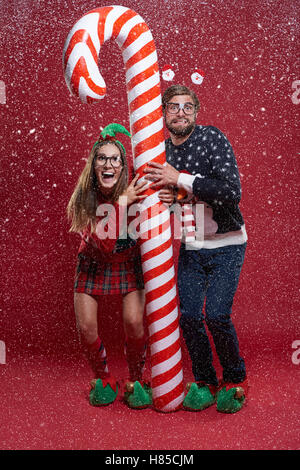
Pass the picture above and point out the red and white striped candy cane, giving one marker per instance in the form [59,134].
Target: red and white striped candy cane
[83,77]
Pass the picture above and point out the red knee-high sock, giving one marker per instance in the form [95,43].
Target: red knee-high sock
[135,352]
[97,357]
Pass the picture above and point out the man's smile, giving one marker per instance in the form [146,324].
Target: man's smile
[179,121]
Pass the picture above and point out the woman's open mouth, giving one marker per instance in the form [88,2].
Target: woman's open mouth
[107,175]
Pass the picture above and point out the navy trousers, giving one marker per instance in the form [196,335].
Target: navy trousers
[211,276]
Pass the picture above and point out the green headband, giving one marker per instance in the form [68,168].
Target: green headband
[109,132]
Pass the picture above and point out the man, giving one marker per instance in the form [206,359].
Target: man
[201,162]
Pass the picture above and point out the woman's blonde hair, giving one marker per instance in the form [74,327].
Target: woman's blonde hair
[82,207]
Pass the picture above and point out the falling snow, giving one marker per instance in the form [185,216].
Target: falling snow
[248,51]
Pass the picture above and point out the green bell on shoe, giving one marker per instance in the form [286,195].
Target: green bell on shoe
[103,393]
[137,395]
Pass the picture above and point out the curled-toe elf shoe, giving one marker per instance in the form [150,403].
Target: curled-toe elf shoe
[200,396]
[103,391]
[231,396]
[137,394]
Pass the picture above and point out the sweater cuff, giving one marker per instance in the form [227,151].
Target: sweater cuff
[185,181]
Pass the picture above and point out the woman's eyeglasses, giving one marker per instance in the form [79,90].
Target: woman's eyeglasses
[115,160]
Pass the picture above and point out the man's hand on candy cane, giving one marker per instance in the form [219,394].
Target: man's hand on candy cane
[162,175]
[167,195]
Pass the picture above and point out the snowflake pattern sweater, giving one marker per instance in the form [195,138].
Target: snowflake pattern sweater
[209,171]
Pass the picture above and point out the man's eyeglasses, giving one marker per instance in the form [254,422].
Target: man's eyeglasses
[115,160]
[173,108]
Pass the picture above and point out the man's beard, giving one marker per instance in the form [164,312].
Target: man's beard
[181,132]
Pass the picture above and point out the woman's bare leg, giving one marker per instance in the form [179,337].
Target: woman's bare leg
[133,314]
[86,308]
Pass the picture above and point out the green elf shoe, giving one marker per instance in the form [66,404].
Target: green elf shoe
[199,396]
[231,397]
[137,395]
[104,391]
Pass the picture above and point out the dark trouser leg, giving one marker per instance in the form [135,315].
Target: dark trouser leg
[192,290]
[224,271]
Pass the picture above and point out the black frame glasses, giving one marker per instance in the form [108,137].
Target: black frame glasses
[173,108]
[115,161]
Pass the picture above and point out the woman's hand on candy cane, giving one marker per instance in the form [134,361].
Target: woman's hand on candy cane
[162,175]
[133,193]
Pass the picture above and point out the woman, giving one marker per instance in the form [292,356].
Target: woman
[109,265]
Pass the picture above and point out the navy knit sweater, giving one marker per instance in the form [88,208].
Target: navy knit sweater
[208,154]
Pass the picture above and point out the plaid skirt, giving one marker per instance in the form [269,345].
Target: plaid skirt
[97,278]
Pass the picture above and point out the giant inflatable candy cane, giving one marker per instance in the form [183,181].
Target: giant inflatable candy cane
[80,59]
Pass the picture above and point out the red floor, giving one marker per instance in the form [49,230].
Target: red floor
[44,405]
[251,92]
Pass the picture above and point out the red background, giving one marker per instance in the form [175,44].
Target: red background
[248,52]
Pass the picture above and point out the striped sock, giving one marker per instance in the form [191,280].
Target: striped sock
[97,358]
